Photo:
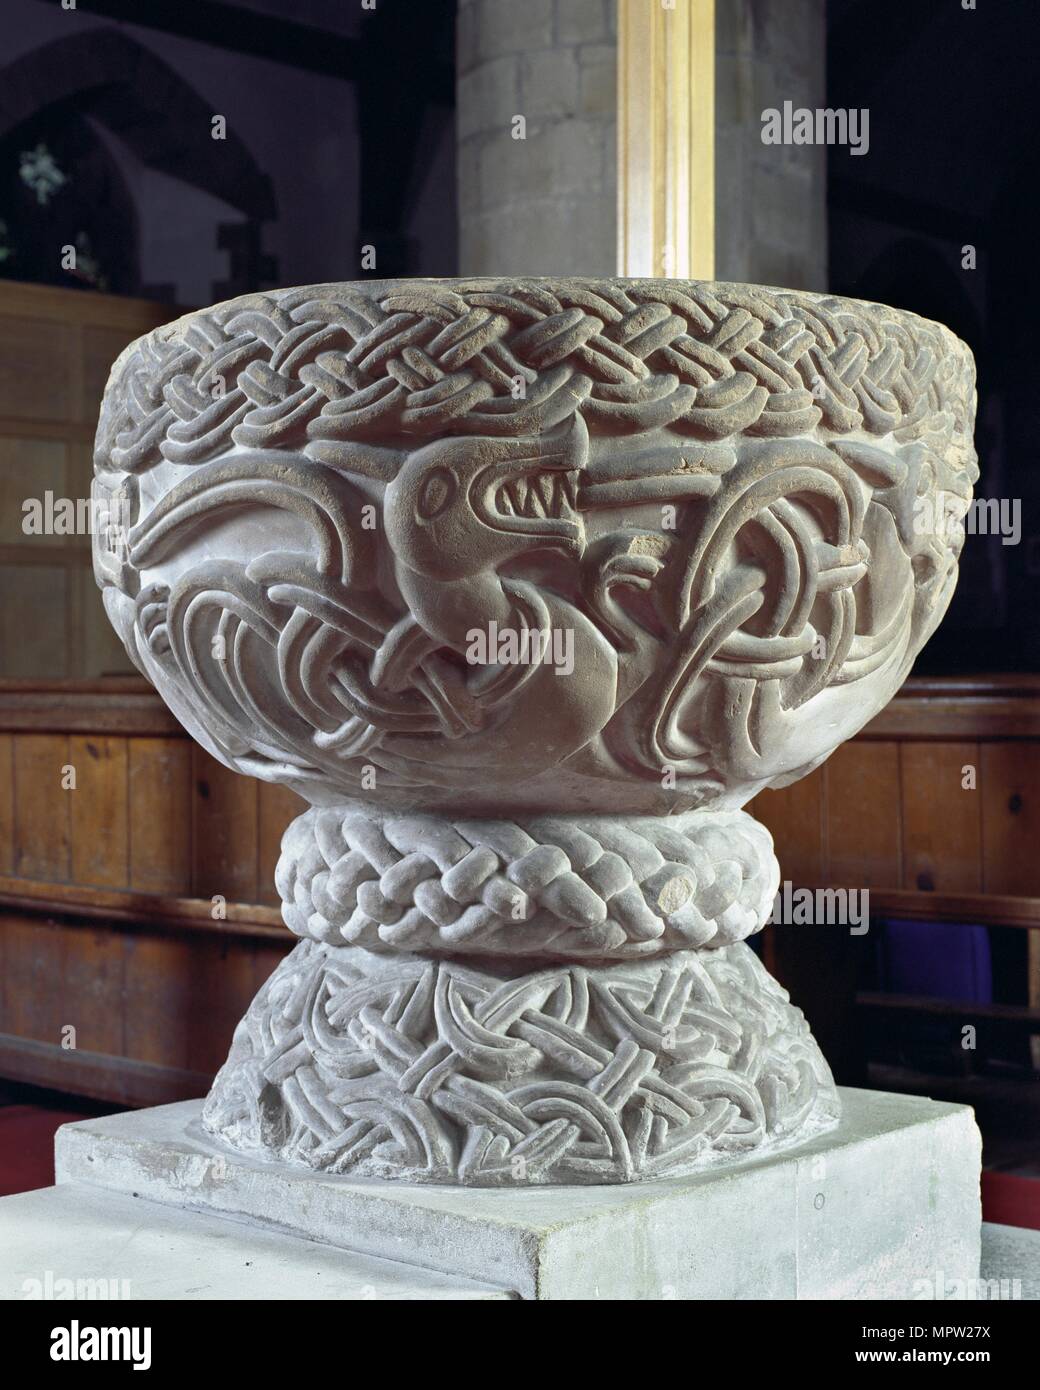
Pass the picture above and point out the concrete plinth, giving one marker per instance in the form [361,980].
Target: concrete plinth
[82,1243]
[872,1209]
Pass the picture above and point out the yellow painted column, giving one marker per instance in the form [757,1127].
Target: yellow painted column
[666,138]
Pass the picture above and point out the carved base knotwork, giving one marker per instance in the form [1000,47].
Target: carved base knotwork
[487,1066]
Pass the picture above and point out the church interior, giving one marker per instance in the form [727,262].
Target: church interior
[157,159]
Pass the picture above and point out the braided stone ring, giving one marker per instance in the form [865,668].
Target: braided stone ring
[528,586]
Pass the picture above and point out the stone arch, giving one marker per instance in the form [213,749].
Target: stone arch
[146,103]
[123,86]
[96,213]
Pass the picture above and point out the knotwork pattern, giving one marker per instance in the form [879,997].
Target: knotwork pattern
[350,1062]
[569,887]
[328,364]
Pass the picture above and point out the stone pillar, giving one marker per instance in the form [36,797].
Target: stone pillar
[528,587]
[548,205]
[545,204]
[770,200]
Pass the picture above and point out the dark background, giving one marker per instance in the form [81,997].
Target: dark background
[340,132]
[899,219]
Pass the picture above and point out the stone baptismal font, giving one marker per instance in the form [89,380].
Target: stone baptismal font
[528,587]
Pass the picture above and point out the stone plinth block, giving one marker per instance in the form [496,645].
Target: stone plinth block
[528,587]
[874,1208]
[76,1242]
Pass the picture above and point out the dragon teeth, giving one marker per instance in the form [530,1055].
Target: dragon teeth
[537,497]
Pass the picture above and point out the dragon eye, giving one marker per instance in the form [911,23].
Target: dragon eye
[436,493]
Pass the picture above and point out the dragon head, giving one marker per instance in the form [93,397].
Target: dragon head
[461,505]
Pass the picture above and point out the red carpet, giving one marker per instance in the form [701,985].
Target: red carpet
[1011,1200]
[27,1145]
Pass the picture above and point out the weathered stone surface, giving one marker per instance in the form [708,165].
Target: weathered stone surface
[1010,1263]
[83,1243]
[528,586]
[875,1208]
[536,117]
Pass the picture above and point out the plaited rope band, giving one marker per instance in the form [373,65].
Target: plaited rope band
[556,886]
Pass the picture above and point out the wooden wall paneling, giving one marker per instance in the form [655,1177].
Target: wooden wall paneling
[56,347]
[6,804]
[75,592]
[117,907]
[39,370]
[942,819]
[100,649]
[33,964]
[864,835]
[29,468]
[1009,778]
[79,477]
[159,981]
[95,647]
[49,302]
[795,817]
[160,790]
[225,837]
[60,976]
[100,346]
[122,1081]
[185,997]
[6,983]
[153,1010]
[125,705]
[92,987]
[99,819]
[154,998]
[959,708]
[1010,789]
[41,839]
[223,988]
[278,807]
[1033,988]
[34,579]
[814,962]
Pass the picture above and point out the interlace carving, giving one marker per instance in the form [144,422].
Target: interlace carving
[432,1071]
[725,519]
[711,491]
